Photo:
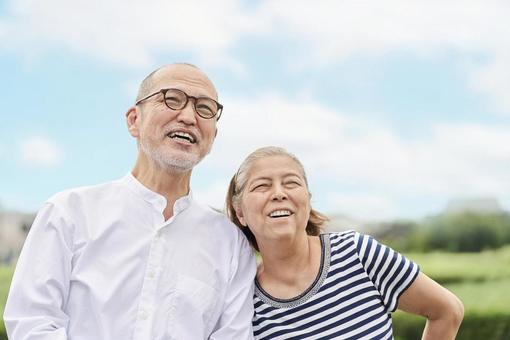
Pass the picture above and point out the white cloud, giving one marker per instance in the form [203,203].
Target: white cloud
[274,120]
[133,32]
[333,31]
[339,29]
[40,151]
[464,160]
[127,32]
[493,79]
[452,160]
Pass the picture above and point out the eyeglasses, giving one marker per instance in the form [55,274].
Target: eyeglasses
[176,99]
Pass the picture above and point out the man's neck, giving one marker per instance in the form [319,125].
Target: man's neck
[170,184]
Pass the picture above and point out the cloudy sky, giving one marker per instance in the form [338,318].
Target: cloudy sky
[395,107]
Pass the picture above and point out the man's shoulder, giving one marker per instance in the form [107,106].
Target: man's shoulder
[219,221]
[83,193]
[214,215]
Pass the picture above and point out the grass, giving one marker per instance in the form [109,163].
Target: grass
[480,280]
[486,316]
[488,297]
[460,267]
[5,281]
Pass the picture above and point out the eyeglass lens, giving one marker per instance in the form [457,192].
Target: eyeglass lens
[205,107]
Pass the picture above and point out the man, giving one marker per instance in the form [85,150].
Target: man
[138,258]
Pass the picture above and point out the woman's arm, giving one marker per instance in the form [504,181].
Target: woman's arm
[443,310]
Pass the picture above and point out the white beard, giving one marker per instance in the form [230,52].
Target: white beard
[172,160]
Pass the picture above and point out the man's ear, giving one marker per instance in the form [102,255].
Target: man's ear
[132,120]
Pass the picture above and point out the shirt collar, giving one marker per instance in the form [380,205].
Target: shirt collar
[155,199]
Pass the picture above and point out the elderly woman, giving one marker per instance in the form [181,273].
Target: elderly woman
[324,286]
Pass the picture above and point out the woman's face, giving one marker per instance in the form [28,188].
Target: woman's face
[275,204]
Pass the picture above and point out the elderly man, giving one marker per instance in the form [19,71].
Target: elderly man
[139,258]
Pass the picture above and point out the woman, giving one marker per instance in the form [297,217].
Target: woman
[324,286]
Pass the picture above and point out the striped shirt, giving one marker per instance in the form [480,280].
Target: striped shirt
[356,289]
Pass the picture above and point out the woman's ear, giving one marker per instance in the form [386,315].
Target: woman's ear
[240,216]
[132,118]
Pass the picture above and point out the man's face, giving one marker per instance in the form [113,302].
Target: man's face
[176,139]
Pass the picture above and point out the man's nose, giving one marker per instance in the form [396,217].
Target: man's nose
[187,114]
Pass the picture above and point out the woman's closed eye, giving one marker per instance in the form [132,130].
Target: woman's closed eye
[292,184]
[260,186]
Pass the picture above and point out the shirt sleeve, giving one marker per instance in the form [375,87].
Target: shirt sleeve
[389,271]
[236,318]
[40,285]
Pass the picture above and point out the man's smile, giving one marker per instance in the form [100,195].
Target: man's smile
[183,136]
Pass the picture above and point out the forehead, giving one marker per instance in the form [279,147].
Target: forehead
[184,77]
[274,166]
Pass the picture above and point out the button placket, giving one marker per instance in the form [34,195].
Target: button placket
[143,326]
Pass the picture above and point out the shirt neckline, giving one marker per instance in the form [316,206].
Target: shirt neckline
[154,198]
[310,291]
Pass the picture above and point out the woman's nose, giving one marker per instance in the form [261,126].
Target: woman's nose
[279,193]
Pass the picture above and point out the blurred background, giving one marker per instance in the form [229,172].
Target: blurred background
[399,110]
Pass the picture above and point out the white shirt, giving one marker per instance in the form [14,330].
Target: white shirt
[101,263]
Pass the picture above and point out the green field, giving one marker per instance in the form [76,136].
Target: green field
[480,280]
[5,280]
[456,267]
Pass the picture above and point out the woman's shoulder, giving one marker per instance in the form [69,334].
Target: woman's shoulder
[342,237]
[348,241]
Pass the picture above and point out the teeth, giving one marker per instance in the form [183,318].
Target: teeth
[280,213]
[181,134]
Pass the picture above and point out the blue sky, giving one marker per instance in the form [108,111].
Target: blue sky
[395,107]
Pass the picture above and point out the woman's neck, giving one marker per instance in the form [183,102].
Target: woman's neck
[287,270]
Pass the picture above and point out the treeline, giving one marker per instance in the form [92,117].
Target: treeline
[460,232]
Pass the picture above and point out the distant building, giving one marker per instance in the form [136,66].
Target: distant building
[477,205]
[14,227]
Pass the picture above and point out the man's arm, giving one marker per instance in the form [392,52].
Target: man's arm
[40,286]
[443,310]
[237,314]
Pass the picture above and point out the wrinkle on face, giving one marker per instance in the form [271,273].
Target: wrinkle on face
[157,120]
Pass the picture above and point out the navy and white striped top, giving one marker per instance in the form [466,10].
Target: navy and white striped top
[358,285]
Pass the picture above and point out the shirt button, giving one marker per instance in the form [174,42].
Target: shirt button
[152,273]
[144,315]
